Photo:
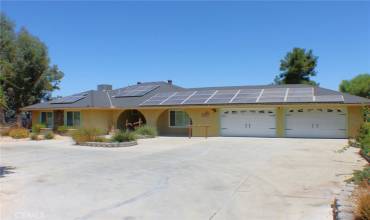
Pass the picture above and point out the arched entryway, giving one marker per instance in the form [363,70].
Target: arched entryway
[129,119]
[173,123]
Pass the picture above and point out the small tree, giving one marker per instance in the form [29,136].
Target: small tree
[359,85]
[297,67]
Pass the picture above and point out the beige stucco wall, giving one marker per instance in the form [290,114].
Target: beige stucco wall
[205,117]
[280,122]
[355,120]
[102,119]
[35,117]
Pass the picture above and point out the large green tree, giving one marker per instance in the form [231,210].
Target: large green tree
[297,67]
[26,75]
[359,85]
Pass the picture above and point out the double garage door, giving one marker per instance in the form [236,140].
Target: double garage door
[248,122]
[316,123]
[309,122]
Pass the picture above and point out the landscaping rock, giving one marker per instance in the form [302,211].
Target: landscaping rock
[105,144]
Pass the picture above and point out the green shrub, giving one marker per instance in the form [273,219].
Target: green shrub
[363,138]
[86,135]
[360,176]
[146,130]
[62,129]
[34,137]
[123,136]
[37,128]
[18,133]
[49,135]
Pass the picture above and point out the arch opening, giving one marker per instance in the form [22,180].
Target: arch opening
[174,123]
[130,119]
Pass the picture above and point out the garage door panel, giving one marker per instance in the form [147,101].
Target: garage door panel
[248,122]
[319,122]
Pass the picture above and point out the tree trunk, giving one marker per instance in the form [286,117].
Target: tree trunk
[18,117]
[2,117]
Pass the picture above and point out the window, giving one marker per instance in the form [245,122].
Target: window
[179,119]
[73,119]
[234,112]
[46,118]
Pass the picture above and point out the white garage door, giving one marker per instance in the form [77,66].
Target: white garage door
[316,123]
[248,122]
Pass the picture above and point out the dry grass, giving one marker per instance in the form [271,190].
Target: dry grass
[362,211]
[19,133]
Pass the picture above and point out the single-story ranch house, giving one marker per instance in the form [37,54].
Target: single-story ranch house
[257,111]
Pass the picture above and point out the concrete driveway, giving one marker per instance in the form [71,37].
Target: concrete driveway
[175,178]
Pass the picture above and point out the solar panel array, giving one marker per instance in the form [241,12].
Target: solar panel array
[68,99]
[134,91]
[241,96]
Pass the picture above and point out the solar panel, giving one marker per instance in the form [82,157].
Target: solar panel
[300,91]
[157,99]
[178,98]
[222,96]
[299,99]
[200,97]
[244,100]
[246,96]
[68,99]
[134,91]
[241,96]
[299,95]
[273,95]
[329,98]
[271,99]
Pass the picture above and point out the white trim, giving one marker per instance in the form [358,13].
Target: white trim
[286,94]
[168,98]
[211,96]
[313,94]
[187,98]
[260,95]
[110,100]
[236,94]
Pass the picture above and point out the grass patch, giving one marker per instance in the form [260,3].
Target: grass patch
[361,176]
[123,136]
[86,135]
[146,130]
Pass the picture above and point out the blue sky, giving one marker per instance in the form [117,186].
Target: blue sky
[195,43]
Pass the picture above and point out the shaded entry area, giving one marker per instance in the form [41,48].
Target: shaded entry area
[174,123]
[129,119]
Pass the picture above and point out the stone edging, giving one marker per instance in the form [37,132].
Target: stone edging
[109,144]
[343,205]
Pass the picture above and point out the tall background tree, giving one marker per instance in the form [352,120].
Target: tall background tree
[359,85]
[26,76]
[297,67]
